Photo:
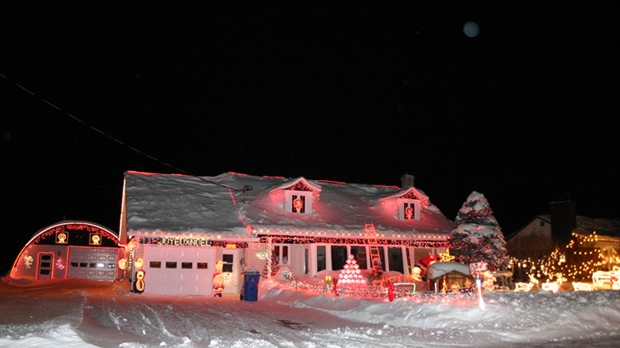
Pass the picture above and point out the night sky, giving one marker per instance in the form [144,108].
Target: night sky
[525,112]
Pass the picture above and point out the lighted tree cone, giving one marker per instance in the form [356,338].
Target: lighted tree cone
[351,273]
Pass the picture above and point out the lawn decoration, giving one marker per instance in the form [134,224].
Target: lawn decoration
[218,280]
[525,287]
[478,269]
[555,286]
[577,286]
[601,278]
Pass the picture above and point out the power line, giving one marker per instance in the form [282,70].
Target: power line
[245,188]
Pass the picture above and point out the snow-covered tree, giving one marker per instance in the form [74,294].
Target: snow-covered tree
[477,236]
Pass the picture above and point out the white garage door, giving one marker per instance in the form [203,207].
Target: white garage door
[178,270]
[93,263]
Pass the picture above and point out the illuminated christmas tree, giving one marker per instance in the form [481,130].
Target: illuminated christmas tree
[351,273]
[477,236]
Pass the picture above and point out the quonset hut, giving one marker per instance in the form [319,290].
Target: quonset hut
[70,249]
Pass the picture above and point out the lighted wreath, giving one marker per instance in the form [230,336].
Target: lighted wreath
[409,212]
[95,239]
[298,204]
[62,238]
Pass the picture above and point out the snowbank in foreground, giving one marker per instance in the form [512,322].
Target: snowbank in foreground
[82,313]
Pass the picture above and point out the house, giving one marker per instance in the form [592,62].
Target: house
[582,238]
[538,236]
[70,249]
[532,240]
[178,227]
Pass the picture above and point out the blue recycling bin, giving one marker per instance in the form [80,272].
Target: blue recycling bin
[250,285]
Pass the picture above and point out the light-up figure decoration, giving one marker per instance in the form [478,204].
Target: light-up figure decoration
[417,273]
[139,263]
[59,263]
[218,279]
[28,260]
[139,285]
[122,263]
[298,204]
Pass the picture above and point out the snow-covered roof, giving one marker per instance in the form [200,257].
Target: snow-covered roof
[584,225]
[604,227]
[439,269]
[410,193]
[233,204]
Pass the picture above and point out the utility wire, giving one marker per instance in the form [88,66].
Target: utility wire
[245,188]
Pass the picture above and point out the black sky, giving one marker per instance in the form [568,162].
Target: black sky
[526,112]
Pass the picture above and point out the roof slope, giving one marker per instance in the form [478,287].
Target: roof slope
[602,226]
[233,203]
[585,225]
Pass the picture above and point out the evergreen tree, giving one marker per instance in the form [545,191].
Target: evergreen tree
[477,236]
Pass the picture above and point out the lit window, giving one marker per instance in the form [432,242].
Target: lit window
[409,209]
[280,254]
[298,202]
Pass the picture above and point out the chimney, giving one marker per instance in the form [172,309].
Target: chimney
[563,220]
[406,181]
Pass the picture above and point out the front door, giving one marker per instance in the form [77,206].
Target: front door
[231,270]
[46,262]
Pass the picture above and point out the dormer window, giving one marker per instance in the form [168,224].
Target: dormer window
[409,209]
[406,205]
[298,202]
[299,196]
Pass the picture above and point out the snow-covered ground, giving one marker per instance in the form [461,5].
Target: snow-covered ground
[76,313]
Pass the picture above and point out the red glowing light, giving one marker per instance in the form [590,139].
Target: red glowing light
[409,212]
[298,204]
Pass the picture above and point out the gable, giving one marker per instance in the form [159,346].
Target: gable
[300,184]
[410,194]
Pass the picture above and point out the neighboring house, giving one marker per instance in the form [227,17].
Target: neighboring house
[70,249]
[179,227]
[563,228]
[532,240]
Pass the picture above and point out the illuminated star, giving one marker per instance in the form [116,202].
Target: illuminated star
[446,257]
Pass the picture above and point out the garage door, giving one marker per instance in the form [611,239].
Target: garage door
[178,270]
[93,263]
